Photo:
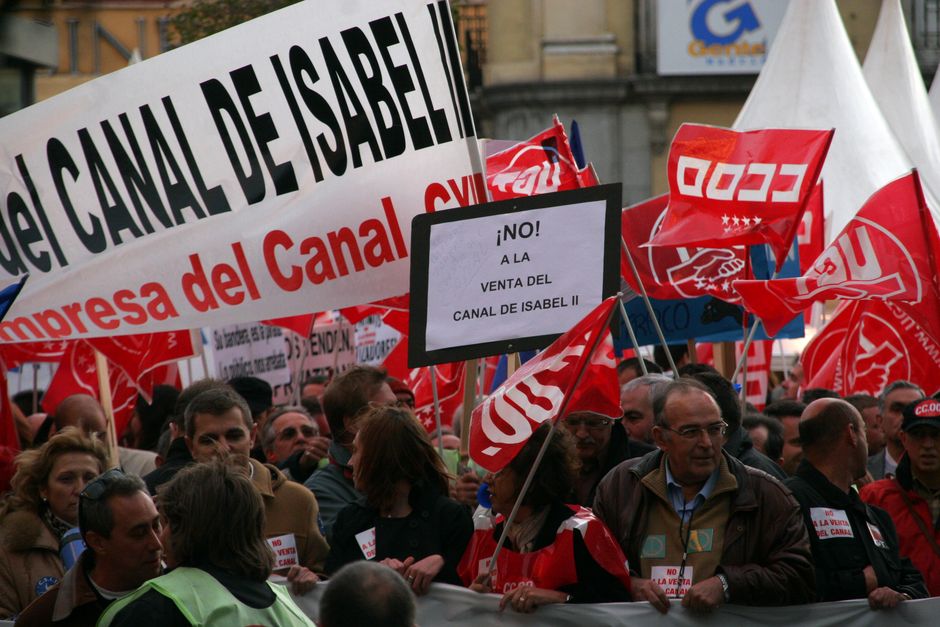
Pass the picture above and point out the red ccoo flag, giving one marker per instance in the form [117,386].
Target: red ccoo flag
[730,188]
[885,252]
[540,389]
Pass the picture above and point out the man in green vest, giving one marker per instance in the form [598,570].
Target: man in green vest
[218,572]
[696,524]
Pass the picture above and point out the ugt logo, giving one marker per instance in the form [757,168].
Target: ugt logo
[715,23]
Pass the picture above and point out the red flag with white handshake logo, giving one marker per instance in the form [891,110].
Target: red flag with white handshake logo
[885,252]
[544,387]
[728,188]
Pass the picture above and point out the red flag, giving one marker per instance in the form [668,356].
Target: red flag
[8,435]
[587,176]
[539,165]
[730,188]
[138,354]
[758,370]
[811,234]
[300,325]
[599,390]
[396,362]
[885,251]
[394,312]
[449,392]
[26,352]
[673,273]
[822,356]
[536,392]
[77,374]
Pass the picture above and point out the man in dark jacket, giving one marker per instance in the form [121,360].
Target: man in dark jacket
[697,524]
[855,546]
[602,443]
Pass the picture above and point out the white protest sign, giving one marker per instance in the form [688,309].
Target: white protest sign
[250,350]
[667,578]
[366,540]
[830,523]
[266,171]
[374,340]
[528,268]
[285,551]
[330,349]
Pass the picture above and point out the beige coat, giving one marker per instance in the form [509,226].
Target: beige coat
[289,507]
[29,560]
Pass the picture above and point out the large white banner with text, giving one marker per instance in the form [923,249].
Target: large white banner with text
[270,170]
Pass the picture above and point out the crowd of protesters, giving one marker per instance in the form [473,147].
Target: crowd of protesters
[684,499]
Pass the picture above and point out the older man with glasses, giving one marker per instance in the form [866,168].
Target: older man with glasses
[698,525]
[601,443]
[291,440]
[121,528]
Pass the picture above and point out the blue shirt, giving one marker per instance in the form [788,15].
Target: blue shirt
[674,490]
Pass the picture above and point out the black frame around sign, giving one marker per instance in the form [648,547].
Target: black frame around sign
[421,225]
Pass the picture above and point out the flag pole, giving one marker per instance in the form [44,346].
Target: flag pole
[548,439]
[104,392]
[432,372]
[469,402]
[649,308]
[297,392]
[633,340]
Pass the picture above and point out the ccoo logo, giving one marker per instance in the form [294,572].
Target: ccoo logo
[882,355]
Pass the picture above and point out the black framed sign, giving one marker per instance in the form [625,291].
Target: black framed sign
[513,275]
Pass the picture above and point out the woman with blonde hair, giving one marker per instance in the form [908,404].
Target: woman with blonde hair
[41,508]
[405,519]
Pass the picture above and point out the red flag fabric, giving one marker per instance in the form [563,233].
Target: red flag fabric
[822,356]
[8,435]
[394,312]
[449,392]
[758,370]
[300,325]
[138,354]
[885,251]
[539,165]
[811,234]
[737,188]
[77,374]
[535,393]
[396,362]
[25,352]
[673,273]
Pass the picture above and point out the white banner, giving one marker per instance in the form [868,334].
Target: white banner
[330,349]
[446,605]
[251,350]
[270,170]
[708,37]
[374,340]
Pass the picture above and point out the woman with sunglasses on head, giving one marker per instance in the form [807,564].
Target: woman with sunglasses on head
[405,518]
[41,509]
[554,553]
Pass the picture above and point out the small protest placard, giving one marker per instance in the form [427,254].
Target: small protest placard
[285,551]
[366,540]
[513,275]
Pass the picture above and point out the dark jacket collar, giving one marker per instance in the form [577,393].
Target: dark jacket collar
[832,495]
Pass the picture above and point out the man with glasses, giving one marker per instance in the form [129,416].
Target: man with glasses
[344,401]
[698,525]
[912,496]
[121,528]
[601,443]
[291,440]
[855,546]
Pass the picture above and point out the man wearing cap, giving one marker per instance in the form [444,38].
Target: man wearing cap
[912,496]
[855,546]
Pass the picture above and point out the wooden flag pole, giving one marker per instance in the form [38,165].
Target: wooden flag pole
[512,364]
[104,392]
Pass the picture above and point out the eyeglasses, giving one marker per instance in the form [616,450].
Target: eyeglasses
[594,424]
[291,432]
[715,430]
[97,486]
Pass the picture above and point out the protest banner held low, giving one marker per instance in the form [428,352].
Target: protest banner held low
[512,275]
[266,171]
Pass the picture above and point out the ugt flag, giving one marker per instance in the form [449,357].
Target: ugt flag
[738,188]
[885,252]
[537,392]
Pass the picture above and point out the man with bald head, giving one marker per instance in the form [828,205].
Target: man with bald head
[855,546]
[86,413]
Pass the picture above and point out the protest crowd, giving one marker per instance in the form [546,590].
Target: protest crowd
[695,513]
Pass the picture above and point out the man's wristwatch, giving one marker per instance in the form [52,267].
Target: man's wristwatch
[724,586]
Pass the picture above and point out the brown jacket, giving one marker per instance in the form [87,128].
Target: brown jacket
[72,603]
[29,560]
[289,507]
[766,556]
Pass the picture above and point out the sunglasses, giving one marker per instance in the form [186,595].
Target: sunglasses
[95,490]
[291,432]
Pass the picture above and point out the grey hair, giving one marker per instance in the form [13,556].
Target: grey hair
[267,433]
[679,386]
[900,384]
